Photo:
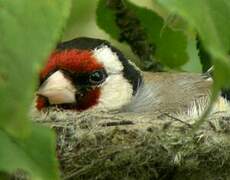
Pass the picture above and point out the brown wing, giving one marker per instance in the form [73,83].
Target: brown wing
[177,91]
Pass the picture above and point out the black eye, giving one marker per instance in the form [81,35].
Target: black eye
[97,77]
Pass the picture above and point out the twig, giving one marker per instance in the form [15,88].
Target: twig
[177,119]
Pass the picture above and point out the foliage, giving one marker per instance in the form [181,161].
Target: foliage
[29,30]
[180,33]
[170,45]
[35,153]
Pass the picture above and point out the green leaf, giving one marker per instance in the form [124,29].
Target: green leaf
[193,65]
[4,176]
[28,31]
[171,45]
[35,154]
[106,20]
[211,20]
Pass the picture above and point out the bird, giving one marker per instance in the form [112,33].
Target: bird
[88,73]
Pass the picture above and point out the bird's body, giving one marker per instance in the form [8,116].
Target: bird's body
[86,73]
[170,92]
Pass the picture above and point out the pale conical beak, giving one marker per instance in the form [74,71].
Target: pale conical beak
[58,89]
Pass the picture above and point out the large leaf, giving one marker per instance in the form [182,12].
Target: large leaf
[106,19]
[28,31]
[193,65]
[171,46]
[211,20]
[35,154]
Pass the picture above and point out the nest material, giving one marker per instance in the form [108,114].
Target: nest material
[140,146]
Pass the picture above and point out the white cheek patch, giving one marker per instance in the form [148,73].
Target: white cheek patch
[108,58]
[115,93]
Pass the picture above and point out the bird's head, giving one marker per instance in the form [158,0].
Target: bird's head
[87,73]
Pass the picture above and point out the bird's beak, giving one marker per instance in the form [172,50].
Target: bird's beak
[58,89]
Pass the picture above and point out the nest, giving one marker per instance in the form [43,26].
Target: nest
[115,145]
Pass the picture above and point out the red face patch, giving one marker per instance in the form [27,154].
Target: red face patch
[41,102]
[79,61]
[90,99]
[72,60]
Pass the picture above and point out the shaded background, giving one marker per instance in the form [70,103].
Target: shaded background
[82,22]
